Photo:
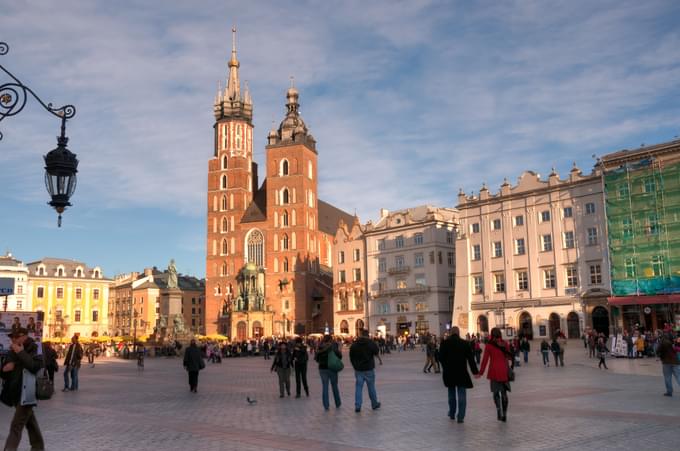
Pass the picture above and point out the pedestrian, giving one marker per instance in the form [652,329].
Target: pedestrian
[430,348]
[629,345]
[361,354]
[300,359]
[90,354]
[670,364]
[74,355]
[602,353]
[496,355]
[455,356]
[555,348]
[525,347]
[50,356]
[193,363]
[545,351]
[640,345]
[283,361]
[265,349]
[18,389]
[328,375]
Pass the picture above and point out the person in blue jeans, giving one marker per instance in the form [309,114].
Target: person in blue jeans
[74,355]
[362,354]
[455,356]
[670,363]
[328,376]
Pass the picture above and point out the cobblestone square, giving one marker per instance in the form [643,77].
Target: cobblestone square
[578,406]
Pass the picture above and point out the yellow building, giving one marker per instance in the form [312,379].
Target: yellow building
[73,296]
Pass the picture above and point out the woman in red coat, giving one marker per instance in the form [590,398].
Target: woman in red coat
[497,355]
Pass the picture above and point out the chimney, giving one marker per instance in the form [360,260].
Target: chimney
[384,212]
[148,271]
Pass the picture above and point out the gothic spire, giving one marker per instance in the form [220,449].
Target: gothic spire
[233,85]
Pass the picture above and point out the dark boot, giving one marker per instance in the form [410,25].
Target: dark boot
[504,401]
[497,401]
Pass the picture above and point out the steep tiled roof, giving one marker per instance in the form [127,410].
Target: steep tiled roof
[330,216]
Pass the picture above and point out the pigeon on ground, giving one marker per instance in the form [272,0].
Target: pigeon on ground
[252,402]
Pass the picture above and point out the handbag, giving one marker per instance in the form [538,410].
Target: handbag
[334,363]
[511,374]
[44,387]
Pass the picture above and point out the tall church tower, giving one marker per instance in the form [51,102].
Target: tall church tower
[232,178]
[292,201]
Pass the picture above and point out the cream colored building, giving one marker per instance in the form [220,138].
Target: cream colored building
[73,296]
[12,268]
[532,257]
[349,279]
[411,270]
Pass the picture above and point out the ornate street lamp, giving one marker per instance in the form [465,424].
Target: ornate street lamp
[61,165]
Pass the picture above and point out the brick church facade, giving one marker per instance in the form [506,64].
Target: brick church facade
[269,246]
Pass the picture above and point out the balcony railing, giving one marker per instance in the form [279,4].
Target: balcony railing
[402,292]
[399,270]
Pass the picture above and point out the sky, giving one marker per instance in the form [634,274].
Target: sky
[409,101]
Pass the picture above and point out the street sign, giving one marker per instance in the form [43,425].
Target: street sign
[6,286]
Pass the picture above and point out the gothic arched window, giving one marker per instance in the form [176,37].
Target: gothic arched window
[284,196]
[285,264]
[224,202]
[255,247]
[225,247]
[225,225]
[284,242]
[284,167]
[224,182]
[284,219]
[224,162]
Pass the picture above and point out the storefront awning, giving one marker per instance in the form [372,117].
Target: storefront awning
[644,300]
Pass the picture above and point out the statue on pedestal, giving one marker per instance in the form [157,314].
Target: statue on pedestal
[172,274]
[178,324]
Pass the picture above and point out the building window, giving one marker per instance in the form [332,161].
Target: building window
[439,257]
[568,240]
[284,219]
[421,280]
[477,284]
[627,224]
[475,227]
[224,203]
[285,196]
[432,257]
[225,247]
[402,307]
[341,257]
[624,191]
[341,276]
[567,212]
[77,316]
[648,185]
[285,264]
[60,293]
[449,237]
[382,265]
[79,293]
[382,285]
[401,284]
[545,216]
[572,276]
[519,220]
[450,259]
[476,252]
[657,266]
[19,304]
[284,167]
[41,292]
[255,248]
[357,274]
[549,278]
[421,307]
[399,261]
[59,315]
[522,280]
[381,244]
[652,226]
[595,274]
[384,307]
[590,208]
[357,255]
[497,249]
[452,280]
[419,260]
[519,246]
[95,316]
[418,239]
[499,282]
[399,241]
[592,236]
[496,224]
[630,267]
[546,242]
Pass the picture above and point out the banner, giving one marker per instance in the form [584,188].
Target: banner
[32,321]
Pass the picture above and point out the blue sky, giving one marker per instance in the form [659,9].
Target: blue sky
[409,101]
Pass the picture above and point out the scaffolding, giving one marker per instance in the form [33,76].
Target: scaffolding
[643,220]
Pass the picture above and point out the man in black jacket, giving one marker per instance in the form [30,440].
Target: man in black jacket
[72,364]
[193,363]
[361,354]
[18,393]
[455,356]
[300,358]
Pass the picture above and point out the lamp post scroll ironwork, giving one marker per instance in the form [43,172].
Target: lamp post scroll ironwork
[61,165]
